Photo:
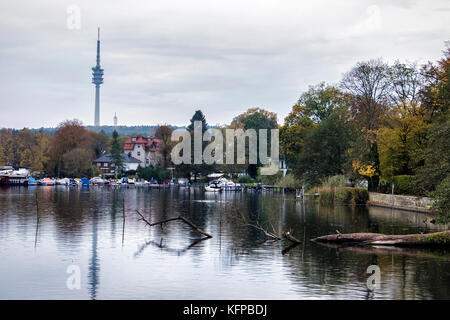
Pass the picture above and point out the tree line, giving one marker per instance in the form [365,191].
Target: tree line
[387,124]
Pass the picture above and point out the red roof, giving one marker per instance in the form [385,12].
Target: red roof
[149,144]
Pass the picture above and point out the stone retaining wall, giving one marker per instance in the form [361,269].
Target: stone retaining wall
[412,203]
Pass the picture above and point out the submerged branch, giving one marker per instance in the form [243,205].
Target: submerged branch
[186,221]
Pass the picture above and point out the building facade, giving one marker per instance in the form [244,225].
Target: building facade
[108,168]
[144,148]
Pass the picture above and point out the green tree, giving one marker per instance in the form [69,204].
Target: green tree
[325,149]
[100,143]
[442,200]
[401,143]
[436,100]
[292,134]
[317,134]
[117,158]
[153,172]
[195,170]
[78,162]
[257,118]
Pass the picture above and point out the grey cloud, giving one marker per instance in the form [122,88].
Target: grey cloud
[164,60]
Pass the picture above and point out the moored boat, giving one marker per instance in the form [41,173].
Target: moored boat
[213,186]
[9,176]
[47,182]
[98,181]
[63,181]
[85,182]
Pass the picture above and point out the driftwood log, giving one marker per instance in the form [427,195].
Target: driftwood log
[189,223]
[438,239]
[421,252]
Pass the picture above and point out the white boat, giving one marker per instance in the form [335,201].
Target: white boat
[9,176]
[63,181]
[213,186]
[97,181]
[228,185]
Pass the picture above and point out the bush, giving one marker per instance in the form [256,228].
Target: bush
[442,200]
[246,179]
[405,185]
[156,173]
[360,196]
[344,195]
[326,195]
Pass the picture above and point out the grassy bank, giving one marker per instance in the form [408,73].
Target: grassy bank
[343,195]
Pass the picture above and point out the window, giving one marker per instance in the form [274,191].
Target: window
[139,153]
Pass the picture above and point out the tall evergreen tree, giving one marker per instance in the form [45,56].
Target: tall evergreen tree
[192,169]
[116,153]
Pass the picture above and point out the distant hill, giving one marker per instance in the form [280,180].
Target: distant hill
[124,130]
[108,130]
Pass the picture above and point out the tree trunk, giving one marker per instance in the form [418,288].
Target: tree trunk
[438,239]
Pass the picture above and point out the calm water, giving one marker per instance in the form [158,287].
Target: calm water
[85,227]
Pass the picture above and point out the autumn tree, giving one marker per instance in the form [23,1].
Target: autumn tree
[164,133]
[26,158]
[406,82]
[369,85]
[70,135]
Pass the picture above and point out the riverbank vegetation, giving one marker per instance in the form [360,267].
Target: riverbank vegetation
[383,126]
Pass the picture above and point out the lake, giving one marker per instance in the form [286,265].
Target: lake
[121,257]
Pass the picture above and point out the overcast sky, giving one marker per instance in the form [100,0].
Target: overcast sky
[163,60]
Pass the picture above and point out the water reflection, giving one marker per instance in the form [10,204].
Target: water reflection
[94,265]
[84,226]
